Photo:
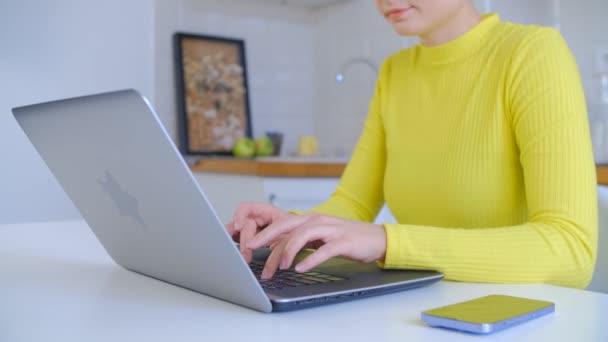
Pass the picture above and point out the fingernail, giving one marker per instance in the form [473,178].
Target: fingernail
[300,268]
[251,244]
[236,225]
[282,266]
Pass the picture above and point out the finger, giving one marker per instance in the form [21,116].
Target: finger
[321,255]
[232,232]
[249,209]
[247,234]
[230,228]
[261,222]
[276,229]
[272,263]
[300,238]
[278,240]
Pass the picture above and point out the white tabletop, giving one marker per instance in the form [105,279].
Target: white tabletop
[58,284]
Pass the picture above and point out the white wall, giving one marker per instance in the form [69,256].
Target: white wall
[539,12]
[585,27]
[57,49]
[279,44]
[344,32]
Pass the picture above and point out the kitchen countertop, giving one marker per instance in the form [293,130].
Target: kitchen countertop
[300,167]
[274,166]
[602,174]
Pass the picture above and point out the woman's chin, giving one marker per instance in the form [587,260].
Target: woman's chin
[406,29]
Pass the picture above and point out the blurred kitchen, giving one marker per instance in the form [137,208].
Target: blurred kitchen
[311,68]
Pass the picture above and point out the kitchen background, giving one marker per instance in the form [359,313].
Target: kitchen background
[66,48]
[294,48]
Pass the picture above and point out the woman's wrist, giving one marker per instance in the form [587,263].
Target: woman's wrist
[382,243]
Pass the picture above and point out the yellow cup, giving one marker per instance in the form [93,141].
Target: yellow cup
[309,145]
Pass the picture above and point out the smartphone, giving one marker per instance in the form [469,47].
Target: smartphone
[488,314]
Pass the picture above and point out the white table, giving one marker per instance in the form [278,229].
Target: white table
[58,284]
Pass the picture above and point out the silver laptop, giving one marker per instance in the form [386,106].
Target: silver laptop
[118,165]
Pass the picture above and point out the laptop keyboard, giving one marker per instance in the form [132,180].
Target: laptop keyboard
[286,278]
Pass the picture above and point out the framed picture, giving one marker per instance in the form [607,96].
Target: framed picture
[212,94]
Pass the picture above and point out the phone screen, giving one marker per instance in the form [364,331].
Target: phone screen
[489,309]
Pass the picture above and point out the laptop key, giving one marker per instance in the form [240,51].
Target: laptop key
[319,280]
[327,276]
[306,281]
[315,279]
[288,278]
[290,283]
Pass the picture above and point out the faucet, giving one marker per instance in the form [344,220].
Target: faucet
[349,64]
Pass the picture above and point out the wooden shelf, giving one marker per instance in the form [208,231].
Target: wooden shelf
[602,174]
[299,169]
[269,168]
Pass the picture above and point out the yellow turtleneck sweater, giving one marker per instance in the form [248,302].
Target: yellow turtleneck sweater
[480,147]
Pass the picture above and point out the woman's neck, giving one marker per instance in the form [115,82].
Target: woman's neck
[452,28]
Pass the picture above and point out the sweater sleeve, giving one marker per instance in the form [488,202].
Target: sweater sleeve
[558,243]
[359,195]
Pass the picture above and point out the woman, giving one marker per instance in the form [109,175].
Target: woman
[478,141]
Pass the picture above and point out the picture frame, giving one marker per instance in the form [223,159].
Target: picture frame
[212,93]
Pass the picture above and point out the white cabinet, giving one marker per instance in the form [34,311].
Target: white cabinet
[226,191]
[299,193]
[599,282]
[305,193]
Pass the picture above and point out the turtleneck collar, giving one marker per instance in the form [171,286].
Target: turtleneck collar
[461,46]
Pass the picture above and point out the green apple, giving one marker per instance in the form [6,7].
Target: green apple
[263,147]
[244,147]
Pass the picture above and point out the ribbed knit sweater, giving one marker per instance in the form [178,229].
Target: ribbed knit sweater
[480,147]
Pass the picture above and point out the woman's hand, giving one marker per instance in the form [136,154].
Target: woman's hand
[331,236]
[248,219]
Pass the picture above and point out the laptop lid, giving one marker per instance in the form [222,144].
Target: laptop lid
[118,165]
